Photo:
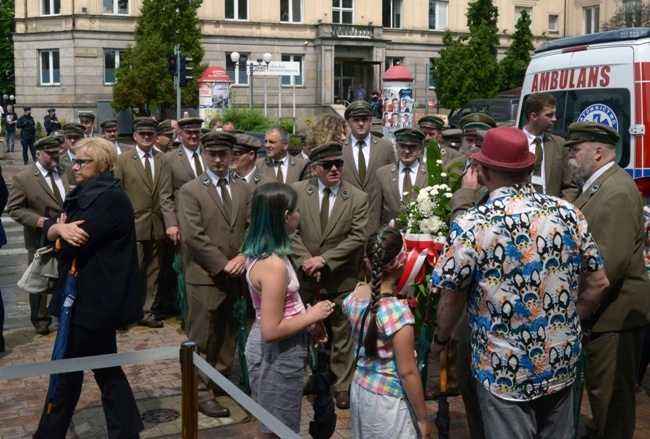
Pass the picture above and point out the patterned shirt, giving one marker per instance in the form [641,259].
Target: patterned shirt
[519,257]
[646,229]
[378,375]
[292,302]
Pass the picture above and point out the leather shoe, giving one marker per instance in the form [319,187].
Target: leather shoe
[151,324]
[43,330]
[213,409]
[434,394]
[342,400]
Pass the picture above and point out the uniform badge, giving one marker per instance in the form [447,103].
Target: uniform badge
[180,152]
[594,188]
[206,181]
[443,151]
[344,194]
[310,190]
[374,140]
[476,118]
[292,162]
[135,155]
[347,141]
[37,172]
[268,161]
[423,169]
[257,178]
[394,168]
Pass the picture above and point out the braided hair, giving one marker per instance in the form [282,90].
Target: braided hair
[382,247]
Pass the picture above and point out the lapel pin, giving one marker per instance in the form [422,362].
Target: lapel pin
[594,188]
[394,168]
[257,178]
[206,180]
[310,190]
[344,194]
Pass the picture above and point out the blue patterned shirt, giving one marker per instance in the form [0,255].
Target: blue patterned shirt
[519,257]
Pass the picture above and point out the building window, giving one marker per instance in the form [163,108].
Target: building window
[390,62]
[118,7]
[392,13]
[552,23]
[342,11]
[633,13]
[291,11]
[237,9]
[592,19]
[518,11]
[286,80]
[50,7]
[50,73]
[231,69]
[111,63]
[432,81]
[437,15]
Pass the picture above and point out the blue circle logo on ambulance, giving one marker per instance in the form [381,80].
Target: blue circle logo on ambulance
[599,113]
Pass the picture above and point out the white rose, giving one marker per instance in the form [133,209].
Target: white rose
[424,226]
[448,194]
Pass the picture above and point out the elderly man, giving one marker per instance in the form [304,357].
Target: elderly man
[213,216]
[37,194]
[328,250]
[393,181]
[87,119]
[611,203]
[147,182]
[244,155]
[279,164]
[363,153]
[110,133]
[72,132]
[529,270]
[552,174]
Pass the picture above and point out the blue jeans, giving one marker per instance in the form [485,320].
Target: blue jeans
[28,144]
[10,138]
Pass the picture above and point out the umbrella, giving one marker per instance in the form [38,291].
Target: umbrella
[61,342]
[579,383]
[424,342]
[443,420]
[177,265]
[239,311]
[324,423]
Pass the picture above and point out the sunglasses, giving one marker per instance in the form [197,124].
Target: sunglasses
[328,165]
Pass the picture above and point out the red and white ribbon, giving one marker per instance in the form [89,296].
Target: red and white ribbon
[421,247]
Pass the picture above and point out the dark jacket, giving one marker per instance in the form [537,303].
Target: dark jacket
[4,196]
[51,124]
[27,126]
[108,281]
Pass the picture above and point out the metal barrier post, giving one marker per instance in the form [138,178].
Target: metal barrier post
[189,393]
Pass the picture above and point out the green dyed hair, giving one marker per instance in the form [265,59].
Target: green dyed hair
[267,233]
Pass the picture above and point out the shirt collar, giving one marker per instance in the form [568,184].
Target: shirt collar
[44,171]
[365,140]
[334,188]
[595,176]
[189,152]
[140,152]
[215,178]
[414,166]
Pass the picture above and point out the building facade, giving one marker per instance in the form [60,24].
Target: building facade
[66,52]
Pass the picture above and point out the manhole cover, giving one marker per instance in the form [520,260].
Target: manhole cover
[160,416]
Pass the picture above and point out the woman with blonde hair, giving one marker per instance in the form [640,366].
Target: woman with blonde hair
[324,128]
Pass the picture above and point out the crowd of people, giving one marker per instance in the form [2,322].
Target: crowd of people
[530,273]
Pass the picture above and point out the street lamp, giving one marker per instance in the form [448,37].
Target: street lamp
[267,59]
[234,57]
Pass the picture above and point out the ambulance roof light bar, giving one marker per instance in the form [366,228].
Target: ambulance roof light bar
[633,33]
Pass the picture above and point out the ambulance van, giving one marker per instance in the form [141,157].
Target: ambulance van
[604,78]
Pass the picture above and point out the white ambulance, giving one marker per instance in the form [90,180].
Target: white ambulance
[605,78]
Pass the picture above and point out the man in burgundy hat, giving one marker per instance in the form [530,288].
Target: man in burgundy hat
[530,271]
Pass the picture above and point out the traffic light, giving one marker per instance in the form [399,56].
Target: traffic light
[186,71]
[171,64]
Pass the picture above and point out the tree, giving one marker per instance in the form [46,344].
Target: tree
[513,66]
[142,79]
[7,28]
[629,15]
[468,68]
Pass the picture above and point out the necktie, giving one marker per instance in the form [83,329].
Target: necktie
[324,210]
[197,164]
[406,184]
[55,189]
[539,154]
[279,165]
[362,161]
[225,195]
[147,168]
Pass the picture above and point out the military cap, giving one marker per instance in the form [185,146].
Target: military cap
[591,132]
[409,136]
[73,127]
[47,143]
[431,122]
[216,140]
[326,152]
[51,110]
[86,115]
[358,108]
[144,123]
[246,141]
[108,123]
[190,122]
[27,108]
[476,121]
[59,134]
[165,127]
[376,133]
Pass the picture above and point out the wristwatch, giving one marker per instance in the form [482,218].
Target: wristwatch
[322,259]
[439,342]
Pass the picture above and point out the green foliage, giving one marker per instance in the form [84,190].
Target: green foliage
[246,119]
[38,129]
[7,28]
[287,124]
[142,78]
[513,66]
[629,14]
[467,68]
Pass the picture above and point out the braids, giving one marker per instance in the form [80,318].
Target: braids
[382,247]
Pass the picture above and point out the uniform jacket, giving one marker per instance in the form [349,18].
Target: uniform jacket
[257,179]
[341,245]
[386,200]
[125,148]
[31,198]
[150,203]
[51,124]
[27,126]
[614,210]
[296,165]
[381,154]
[211,238]
[181,173]
[559,178]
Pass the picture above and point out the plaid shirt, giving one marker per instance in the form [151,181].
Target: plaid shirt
[378,375]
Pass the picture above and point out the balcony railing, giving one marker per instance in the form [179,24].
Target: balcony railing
[328,30]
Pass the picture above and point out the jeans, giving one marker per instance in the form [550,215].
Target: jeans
[10,138]
[28,144]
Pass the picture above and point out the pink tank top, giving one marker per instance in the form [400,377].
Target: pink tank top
[292,302]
